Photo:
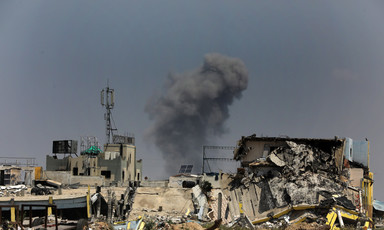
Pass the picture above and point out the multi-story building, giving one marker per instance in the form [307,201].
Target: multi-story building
[117,164]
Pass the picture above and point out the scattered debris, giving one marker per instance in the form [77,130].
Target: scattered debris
[188,225]
[42,190]
[286,181]
[12,190]
[283,183]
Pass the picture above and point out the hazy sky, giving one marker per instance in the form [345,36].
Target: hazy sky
[315,69]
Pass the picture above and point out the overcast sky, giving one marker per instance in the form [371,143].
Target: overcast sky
[315,69]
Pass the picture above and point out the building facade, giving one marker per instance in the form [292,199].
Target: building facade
[117,164]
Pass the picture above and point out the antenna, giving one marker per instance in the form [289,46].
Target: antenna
[108,101]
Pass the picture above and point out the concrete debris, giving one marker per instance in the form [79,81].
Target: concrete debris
[54,183]
[42,190]
[287,181]
[300,173]
[201,199]
[283,183]
[112,207]
[188,225]
[12,190]
[276,160]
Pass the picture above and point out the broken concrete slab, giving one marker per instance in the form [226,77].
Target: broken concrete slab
[276,160]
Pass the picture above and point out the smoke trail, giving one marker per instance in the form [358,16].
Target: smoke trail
[193,107]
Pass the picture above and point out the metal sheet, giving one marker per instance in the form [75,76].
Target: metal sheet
[360,152]
[378,205]
[78,202]
[348,150]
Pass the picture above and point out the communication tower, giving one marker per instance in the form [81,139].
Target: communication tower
[108,101]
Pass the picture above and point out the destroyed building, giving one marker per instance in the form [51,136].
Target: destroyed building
[299,178]
[17,170]
[117,164]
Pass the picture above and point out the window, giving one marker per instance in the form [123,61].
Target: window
[107,174]
[266,151]
[75,171]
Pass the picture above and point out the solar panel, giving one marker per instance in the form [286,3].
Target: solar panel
[189,169]
[186,169]
[182,169]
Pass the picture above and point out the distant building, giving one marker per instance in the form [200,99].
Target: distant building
[117,164]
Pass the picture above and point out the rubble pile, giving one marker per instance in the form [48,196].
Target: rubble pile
[12,190]
[42,190]
[293,183]
[299,173]
[287,226]
[296,184]
[188,225]
[292,175]
[165,222]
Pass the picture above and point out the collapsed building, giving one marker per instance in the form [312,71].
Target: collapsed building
[289,180]
[117,164]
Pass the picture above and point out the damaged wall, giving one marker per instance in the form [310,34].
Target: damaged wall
[256,150]
[128,155]
[357,151]
[10,175]
[54,164]
[161,201]
[283,172]
[361,152]
[252,148]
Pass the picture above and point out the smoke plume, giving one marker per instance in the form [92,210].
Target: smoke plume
[194,107]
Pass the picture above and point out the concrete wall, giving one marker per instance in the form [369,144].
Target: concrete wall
[127,168]
[154,184]
[57,164]
[139,170]
[114,166]
[88,180]
[213,179]
[361,152]
[67,178]
[177,181]
[356,177]
[60,176]
[122,167]
[81,163]
[259,149]
[129,153]
[17,174]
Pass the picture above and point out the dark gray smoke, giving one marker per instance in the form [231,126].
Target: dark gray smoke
[194,107]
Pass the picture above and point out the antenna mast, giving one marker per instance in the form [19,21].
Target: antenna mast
[108,101]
